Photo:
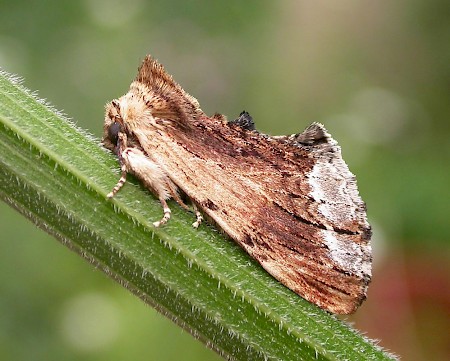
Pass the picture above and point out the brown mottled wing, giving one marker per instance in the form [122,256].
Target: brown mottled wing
[290,202]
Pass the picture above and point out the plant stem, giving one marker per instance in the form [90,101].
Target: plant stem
[58,176]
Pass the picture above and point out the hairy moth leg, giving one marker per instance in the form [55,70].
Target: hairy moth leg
[134,161]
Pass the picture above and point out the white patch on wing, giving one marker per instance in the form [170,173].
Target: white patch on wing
[350,256]
[334,191]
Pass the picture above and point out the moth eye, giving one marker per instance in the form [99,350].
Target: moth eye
[113,132]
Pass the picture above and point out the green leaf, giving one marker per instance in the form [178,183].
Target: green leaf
[58,176]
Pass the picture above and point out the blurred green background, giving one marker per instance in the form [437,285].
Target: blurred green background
[376,73]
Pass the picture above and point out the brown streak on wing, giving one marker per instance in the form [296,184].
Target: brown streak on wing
[260,197]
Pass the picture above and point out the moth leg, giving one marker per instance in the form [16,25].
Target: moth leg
[120,183]
[152,176]
[167,213]
[199,217]
[120,146]
[135,161]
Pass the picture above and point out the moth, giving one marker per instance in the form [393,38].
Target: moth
[289,201]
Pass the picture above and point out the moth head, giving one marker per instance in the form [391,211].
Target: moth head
[113,125]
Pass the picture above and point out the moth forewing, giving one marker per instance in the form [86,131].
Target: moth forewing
[290,202]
